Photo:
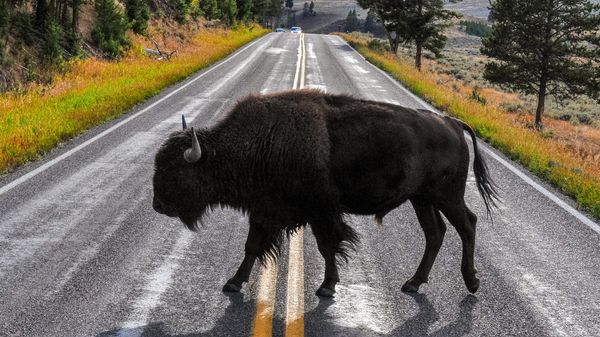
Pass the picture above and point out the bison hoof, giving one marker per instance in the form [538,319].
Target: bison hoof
[325,292]
[231,288]
[472,285]
[410,288]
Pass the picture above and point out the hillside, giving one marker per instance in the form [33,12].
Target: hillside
[474,8]
[41,38]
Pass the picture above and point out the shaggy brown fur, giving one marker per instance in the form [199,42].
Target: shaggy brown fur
[304,157]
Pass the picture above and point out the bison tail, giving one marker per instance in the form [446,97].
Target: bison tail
[349,241]
[486,186]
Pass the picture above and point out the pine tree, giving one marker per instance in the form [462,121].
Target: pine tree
[244,10]
[229,10]
[211,9]
[183,9]
[421,22]
[138,14]
[111,26]
[545,47]
[351,23]
[370,22]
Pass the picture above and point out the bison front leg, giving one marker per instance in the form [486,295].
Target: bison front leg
[257,245]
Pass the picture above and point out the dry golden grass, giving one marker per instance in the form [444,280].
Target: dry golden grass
[571,163]
[95,90]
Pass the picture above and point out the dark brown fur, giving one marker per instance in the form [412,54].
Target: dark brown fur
[305,157]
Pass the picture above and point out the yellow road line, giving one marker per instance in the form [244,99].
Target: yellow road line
[294,319]
[263,320]
[265,307]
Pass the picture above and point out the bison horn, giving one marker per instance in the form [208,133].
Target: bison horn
[183,122]
[193,154]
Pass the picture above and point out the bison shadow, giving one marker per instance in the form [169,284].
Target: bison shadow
[236,321]
[418,325]
[238,317]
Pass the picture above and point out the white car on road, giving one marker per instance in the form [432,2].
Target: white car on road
[295,30]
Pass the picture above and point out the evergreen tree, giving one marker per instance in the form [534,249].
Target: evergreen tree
[111,26]
[306,10]
[138,14]
[421,22]
[211,9]
[387,11]
[545,47]
[351,23]
[275,9]
[291,19]
[183,9]
[370,21]
[244,10]
[229,10]
[52,51]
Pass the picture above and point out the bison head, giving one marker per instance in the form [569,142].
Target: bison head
[181,187]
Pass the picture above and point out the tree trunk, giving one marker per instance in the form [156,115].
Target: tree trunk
[418,56]
[75,23]
[540,105]
[393,43]
[419,43]
[41,13]
[63,13]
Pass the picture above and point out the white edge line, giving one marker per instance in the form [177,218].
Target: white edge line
[83,145]
[580,216]
[303,66]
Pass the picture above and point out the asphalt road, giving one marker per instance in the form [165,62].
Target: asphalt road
[82,253]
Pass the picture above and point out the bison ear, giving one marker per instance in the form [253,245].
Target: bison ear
[194,153]
[183,122]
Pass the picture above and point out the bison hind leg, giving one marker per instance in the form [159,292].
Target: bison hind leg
[335,239]
[434,229]
[464,221]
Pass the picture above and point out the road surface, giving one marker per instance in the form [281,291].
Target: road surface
[82,253]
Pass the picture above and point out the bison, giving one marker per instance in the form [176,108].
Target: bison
[305,157]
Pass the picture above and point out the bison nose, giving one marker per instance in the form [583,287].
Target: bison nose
[157,205]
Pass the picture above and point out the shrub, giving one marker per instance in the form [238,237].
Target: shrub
[476,96]
[379,45]
[476,28]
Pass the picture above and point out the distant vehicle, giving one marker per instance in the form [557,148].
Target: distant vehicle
[295,30]
[280,30]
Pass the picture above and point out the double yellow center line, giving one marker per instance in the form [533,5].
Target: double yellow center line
[265,307]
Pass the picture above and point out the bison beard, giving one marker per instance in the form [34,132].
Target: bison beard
[306,158]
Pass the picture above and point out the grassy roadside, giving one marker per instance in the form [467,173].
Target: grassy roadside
[94,91]
[576,175]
